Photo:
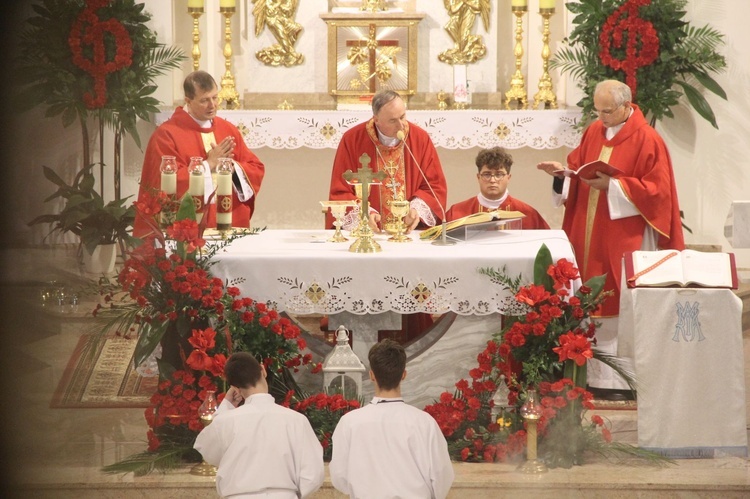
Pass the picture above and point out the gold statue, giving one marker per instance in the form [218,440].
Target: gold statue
[467,47]
[278,15]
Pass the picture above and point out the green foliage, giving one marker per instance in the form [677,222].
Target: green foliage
[46,75]
[167,458]
[687,55]
[85,213]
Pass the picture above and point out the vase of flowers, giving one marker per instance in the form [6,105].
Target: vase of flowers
[543,346]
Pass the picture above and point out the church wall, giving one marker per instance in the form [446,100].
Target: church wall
[710,166]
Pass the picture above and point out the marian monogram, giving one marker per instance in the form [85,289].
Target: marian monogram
[688,326]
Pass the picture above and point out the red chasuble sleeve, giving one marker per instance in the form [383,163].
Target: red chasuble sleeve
[180,136]
[648,182]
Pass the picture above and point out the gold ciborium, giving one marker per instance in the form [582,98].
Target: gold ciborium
[338,210]
[399,209]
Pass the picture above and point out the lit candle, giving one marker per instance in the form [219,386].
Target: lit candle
[546,4]
[195,4]
[224,194]
[519,3]
[168,175]
[227,4]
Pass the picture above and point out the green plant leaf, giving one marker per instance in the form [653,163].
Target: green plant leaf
[699,103]
[541,263]
[148,337]
[710,84]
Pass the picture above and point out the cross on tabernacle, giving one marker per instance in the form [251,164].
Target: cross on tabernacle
[372,44]
[366,177]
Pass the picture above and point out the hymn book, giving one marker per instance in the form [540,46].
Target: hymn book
[493,218]
[589,170]
[685,268]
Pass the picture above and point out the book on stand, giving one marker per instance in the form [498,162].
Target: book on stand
[485,220]
[687,268]
[589,170]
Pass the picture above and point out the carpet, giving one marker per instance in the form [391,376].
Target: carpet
[615,405]
[100,374]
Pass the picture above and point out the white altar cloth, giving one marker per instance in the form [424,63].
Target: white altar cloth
[456,129]
[297,271]
[689,369]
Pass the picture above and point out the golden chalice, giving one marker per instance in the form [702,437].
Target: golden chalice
[338,210]
[399,209]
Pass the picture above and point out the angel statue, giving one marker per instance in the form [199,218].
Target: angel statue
[467,47]
[278,15]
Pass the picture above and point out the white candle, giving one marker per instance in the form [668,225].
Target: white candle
[546,4]
[224,200]
[519,3]
[460,91]
[195,4]
[169,182]
[197,188]
[227,3]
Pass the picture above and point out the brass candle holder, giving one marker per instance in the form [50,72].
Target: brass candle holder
[196,13]
[228,93]
[531,411]
[206,415]
[517,92]
[545,93]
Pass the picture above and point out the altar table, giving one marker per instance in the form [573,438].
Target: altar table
[298,271]
[689,367]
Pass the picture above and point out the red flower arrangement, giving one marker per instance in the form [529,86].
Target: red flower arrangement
[642,45]
[323,411]
[545,344]
[88,30]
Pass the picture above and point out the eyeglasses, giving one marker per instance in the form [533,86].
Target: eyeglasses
[487,176]
[607,112]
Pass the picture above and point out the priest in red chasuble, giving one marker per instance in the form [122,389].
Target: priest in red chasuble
[379,138]
[493,175]
[607,216]
[196,131]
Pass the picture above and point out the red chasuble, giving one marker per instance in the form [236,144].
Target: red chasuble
[648,182]
[532,221]
[363,139]
[181,137]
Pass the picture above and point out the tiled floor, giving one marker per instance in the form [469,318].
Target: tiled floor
[57,453]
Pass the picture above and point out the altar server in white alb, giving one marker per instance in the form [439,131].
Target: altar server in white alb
[261,449]
[389,449]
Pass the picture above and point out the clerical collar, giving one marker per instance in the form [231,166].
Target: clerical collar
[378,400]
[491,204]
[385,140]
[610,132]
[201,123]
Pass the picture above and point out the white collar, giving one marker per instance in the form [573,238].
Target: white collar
[201,123]
[492,204]
[385,140]
[610,132]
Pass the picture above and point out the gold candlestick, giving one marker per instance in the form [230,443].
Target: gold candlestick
[517,92]
[545,93]
[531,411]
[228,93]
[196,12]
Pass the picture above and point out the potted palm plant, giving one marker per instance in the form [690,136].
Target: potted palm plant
[99,226]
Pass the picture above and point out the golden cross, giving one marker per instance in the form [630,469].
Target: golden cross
[364,176]
[372,44]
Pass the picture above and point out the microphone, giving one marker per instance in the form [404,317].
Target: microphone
[443,241]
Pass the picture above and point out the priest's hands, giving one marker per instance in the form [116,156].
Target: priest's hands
[373,221]
[601,183]
[234,396]
[553,168]
[411,220]
[224,149]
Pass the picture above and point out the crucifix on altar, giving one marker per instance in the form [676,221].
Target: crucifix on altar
[370,51]
[364,177]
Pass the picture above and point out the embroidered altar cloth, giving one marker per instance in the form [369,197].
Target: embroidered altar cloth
[297,271]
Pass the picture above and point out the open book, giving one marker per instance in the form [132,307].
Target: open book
[588,171]
[680,268]
[471,220]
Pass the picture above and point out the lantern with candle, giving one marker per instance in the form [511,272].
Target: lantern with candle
[531,411]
